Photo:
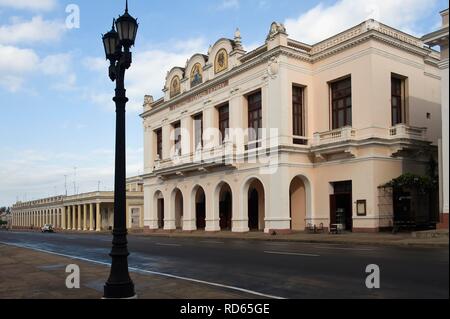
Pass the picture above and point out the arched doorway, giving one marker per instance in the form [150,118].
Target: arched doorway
[200,207]
[178,198]
[297,196]
[225,206]
[256,203]
[159,207]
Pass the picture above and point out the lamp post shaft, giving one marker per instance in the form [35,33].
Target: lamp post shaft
[119,284]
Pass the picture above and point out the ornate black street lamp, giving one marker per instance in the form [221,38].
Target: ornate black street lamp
[117,49]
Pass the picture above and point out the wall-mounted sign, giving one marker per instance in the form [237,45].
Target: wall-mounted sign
[361,207]
[199,95]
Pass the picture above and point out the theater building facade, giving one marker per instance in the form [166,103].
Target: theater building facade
[290,135]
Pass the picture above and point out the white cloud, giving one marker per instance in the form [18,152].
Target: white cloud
[229,4]
[34,5]
[324,21]
[95,64]
[29,32]
[17,61]
[57,64]
[17,64]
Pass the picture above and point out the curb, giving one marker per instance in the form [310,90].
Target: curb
[388,243]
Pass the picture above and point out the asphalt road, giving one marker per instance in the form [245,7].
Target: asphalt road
[279,269]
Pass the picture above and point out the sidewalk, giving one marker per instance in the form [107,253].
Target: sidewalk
[27,274]
[387,239]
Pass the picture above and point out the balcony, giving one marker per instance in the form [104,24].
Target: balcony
[403,131]
[344,142]
[200,160]
[335,136]
[349,134]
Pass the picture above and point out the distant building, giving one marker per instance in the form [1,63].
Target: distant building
[351,113]
[440,38]
[84,212]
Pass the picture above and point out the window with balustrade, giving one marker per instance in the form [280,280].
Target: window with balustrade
[159,143]
[298,112]
[224,121]
[398,99]
[198,131]
[254,118]
[341,103]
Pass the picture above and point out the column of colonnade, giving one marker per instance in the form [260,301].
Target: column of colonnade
[80,217]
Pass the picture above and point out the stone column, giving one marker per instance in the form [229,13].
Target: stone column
[167,142]
[63,218]
[80,212]
[187,139]
[74,217]
[212,215]
[127,214]
[189,210]
[69,218]
[210,127]
[91,217]
[58,218]
[150,148]
[240,220]
[85,217]
[169,211]
[98,219]
[238,121]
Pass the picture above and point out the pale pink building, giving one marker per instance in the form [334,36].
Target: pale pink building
[347,115]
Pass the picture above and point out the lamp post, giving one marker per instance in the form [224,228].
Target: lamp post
[117,49]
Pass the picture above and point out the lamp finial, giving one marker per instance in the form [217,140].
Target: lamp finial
[126,6]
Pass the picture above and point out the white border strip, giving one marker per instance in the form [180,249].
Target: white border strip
[138,270]
[290,254]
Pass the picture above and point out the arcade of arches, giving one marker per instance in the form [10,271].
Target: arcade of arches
[222,207]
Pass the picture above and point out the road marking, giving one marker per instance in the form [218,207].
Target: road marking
[290,254]
[343,248]
[170,245]
[138,270]
[212,242]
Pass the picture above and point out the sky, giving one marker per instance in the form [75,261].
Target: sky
[57,118]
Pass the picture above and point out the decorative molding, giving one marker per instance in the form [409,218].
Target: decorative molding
[357,35]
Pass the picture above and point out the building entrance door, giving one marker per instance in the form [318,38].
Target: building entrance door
[225,212]
[253,213]
[341,205]
[135,218]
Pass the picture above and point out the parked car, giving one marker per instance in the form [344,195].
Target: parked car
[47,228]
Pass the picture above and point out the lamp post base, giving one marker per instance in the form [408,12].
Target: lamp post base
[119,291]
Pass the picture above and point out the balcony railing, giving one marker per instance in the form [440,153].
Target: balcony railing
[345,134]
[408,132]
[334,136]
[221,154]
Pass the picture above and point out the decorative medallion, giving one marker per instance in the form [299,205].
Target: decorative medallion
[221,62]
[196,75]
[175,88]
